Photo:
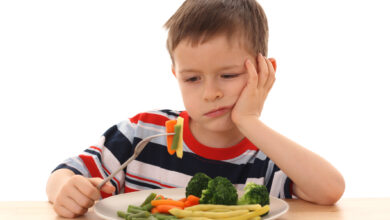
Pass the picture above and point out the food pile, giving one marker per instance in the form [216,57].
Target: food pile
[206,198]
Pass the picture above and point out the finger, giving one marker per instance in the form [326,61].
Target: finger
[263,70]
[107,187]
[253,76]
[271,76]
[87,188]
[81,199]
[64,212]
[71,205]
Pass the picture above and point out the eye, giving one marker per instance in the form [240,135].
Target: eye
[192,79]
[230,75]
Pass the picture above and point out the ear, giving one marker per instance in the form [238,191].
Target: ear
[273,61]
[173,70]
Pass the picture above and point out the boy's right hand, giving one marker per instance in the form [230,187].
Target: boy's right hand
[78,194]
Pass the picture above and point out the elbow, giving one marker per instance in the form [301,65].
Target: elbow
[333,194]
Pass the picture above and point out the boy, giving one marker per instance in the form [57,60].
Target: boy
[218,51]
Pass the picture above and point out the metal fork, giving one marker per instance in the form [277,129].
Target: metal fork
[138,149]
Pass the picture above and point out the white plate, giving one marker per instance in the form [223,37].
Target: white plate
[107,208]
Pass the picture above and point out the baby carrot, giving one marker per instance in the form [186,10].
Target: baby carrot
[166,208]
[154,210]
[170,128]
[193,199]
[167,202]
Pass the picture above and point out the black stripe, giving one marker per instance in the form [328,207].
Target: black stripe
[141,183]
[287,189]
[94,153]
[64,166]
[118,144]
[169,112]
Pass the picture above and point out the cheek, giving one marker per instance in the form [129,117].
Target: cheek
[235,89]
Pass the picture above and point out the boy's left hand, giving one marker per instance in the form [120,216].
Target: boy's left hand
[251,101]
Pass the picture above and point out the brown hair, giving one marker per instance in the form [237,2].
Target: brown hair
[199,20]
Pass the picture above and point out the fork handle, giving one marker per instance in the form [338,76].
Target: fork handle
[116,171]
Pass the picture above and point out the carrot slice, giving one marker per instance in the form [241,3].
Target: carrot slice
[170,128]
[167,202]
[166,208]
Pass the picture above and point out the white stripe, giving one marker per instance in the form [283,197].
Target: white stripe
[127,129]
[269,171]
[161,175]
[277,188]
[134,186]
[78,164]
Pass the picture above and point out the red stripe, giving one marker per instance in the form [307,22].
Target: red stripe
[93,170]
[148,180]
[96,148]
[149,118]
[128,189]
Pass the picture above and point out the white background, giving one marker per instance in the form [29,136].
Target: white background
[69,70]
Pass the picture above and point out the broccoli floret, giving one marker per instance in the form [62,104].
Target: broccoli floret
[197,183]
[219,191]
[254,194]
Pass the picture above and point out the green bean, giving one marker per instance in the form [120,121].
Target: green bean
[149,199]
[161,216]
[143,214]
[147,207]
[135,210]
[122,214]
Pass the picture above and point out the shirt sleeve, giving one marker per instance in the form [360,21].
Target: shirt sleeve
[100,160]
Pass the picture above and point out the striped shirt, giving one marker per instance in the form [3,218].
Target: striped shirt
[154,168]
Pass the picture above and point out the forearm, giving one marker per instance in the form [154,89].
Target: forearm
[316,179]
[55,181]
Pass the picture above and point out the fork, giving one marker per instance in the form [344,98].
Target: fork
[138,149]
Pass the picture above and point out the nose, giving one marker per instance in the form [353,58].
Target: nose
[211,91]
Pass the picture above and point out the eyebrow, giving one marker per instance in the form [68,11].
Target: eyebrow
[190,70]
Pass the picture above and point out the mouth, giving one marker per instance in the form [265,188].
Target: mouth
[218,112]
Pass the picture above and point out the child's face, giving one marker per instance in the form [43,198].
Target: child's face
[211,77]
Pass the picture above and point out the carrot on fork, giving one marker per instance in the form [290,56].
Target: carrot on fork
[170,128]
